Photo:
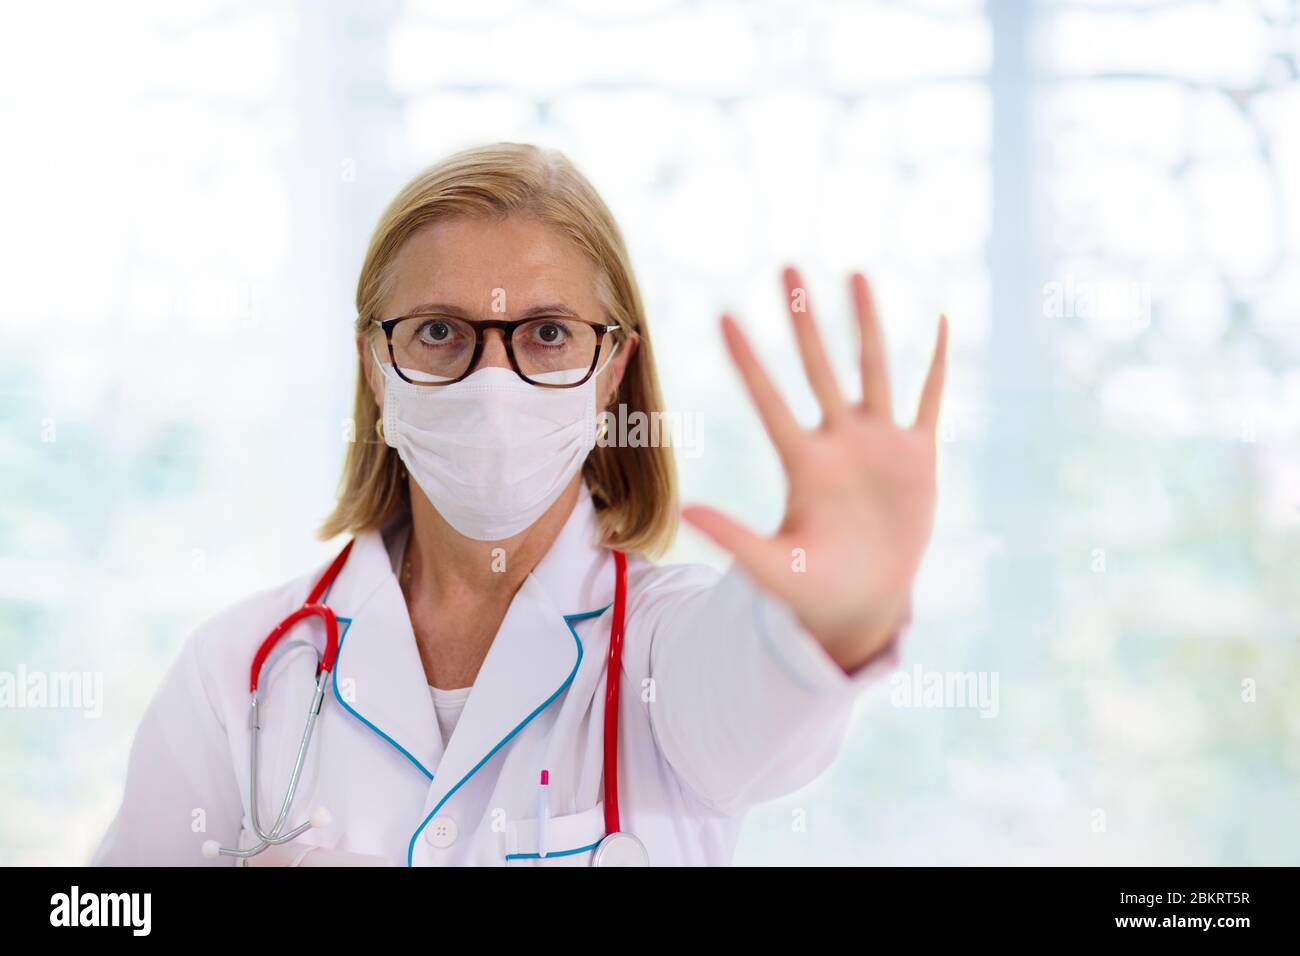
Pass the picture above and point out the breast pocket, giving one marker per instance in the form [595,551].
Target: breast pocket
[570,839]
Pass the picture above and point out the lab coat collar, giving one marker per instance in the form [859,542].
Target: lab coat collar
[379,677]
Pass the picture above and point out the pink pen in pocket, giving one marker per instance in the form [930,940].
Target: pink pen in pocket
[543,811]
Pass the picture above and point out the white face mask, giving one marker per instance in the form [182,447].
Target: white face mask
[491,452]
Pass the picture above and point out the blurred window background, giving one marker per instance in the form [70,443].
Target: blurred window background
[1103,195]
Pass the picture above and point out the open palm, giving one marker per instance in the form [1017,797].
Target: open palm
[861,490]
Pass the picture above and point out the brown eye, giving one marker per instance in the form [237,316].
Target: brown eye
[549,333]
[432,347]
[437,331]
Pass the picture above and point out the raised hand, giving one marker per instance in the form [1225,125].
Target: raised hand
[861,490]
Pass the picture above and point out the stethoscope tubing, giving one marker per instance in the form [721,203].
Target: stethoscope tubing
[300,759]
[271,650]
[613,679]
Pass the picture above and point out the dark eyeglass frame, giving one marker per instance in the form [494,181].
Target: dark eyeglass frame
[507,330]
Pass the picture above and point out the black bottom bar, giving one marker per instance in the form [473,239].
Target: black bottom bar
[314,907]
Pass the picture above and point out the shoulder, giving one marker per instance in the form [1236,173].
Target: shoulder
[654,586]
[238,630]
[208,676]
[221,648]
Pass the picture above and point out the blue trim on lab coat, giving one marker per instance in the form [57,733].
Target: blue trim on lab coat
[334,680]
[569,620]
[537,856]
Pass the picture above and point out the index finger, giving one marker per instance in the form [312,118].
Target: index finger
[781,425]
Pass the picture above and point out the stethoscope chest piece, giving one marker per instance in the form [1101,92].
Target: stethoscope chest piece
[620,849]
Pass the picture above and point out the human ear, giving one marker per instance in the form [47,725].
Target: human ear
[368,369]
[613,374]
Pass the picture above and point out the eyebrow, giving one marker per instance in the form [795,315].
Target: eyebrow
[440,308]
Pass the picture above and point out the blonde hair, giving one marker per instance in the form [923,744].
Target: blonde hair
[634,488]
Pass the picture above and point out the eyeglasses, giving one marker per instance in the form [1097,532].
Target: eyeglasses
[552,352]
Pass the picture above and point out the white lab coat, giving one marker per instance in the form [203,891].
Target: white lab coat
[725,701]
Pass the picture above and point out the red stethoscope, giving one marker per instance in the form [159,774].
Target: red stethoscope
[616,849]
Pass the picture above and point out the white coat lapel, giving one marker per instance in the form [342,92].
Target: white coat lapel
[379,678]
[530,663]
[535,654]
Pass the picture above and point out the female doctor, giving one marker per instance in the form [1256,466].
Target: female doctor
[465,719]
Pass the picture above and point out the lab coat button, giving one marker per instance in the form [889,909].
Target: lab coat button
[441,832]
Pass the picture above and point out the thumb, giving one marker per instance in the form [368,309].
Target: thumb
[759,556]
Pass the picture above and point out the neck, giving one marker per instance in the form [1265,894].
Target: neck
[442,565]
[458,590]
